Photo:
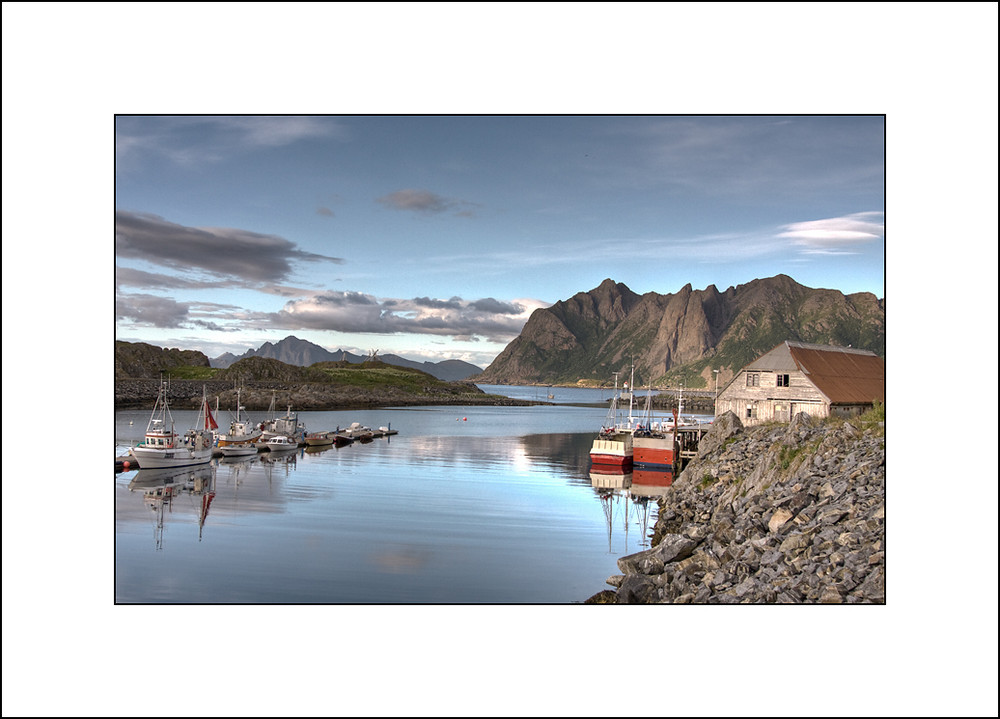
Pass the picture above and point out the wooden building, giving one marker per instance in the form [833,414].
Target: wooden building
[794,377]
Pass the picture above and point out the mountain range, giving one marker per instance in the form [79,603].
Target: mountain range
[302,353]
[681,338]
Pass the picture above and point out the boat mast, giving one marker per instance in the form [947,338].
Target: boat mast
[631,396]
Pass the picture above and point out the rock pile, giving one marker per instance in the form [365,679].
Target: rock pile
[770,514]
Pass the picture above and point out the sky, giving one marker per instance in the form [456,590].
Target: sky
[436,236]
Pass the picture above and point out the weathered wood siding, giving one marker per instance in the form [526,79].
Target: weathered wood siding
[763,400]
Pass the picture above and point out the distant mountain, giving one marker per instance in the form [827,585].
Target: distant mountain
[681,338]
[302,353]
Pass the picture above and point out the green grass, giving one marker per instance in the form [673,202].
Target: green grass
[873,418]
[382,376]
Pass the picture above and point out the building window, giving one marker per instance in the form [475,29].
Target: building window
[783,380]
[751,411]
[753,379]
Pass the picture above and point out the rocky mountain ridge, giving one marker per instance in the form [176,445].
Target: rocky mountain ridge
[302,353]
[681,338]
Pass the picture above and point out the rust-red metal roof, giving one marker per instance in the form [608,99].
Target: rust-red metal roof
[845,376]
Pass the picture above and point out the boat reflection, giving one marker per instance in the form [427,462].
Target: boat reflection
[628,495]
[651,482]
[160,487]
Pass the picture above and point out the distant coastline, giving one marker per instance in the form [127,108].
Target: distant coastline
[258,395]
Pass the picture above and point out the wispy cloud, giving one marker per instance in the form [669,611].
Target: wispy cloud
[426,202]
[191,140]
[224,252]
[129,277]
[737,156]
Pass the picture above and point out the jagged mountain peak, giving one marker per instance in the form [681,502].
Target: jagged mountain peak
[683,336]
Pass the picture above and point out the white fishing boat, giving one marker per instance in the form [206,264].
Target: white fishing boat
[238,449]
[241,429]
[287,426]
[163,447]
[281,443]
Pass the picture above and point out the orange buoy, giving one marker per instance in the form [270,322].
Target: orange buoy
[125,464]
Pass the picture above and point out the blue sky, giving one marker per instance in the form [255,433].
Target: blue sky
[436,236]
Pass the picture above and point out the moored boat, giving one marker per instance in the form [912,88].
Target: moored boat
[654,444]
[281,443]
[287,426]
[241,429]
[320,439]
[238,449]
[359,432]
[163,447]
[613,446]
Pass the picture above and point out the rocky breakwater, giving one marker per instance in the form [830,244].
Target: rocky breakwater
[770,514]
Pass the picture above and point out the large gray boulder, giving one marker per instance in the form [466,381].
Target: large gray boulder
[725,426]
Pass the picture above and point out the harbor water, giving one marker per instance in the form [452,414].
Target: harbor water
[464,505]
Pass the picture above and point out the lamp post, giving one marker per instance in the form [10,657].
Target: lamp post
[716,392]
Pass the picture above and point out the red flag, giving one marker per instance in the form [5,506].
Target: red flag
[210,422]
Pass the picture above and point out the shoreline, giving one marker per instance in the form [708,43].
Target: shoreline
[257,396]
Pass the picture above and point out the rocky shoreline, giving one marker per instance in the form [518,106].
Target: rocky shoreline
[773,514]
[257,395]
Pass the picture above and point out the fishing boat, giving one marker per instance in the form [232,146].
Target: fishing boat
[281,443]
[241,430]
[163,447]
[239,449]
[654,443]
[287,426]
[613,446]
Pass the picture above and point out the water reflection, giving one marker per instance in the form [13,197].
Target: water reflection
[159,487]
[626,497]
[498,508]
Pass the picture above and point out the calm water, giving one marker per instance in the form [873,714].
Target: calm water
[464,505]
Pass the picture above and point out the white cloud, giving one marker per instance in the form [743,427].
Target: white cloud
[836,235]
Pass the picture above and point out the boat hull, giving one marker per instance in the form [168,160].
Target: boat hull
[238,450]
[227,440]
[159,458]
[653,452]
[612,452]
